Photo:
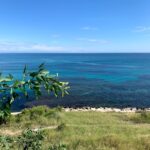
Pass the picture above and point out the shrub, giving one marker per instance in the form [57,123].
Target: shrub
[143,117]
[6,142]
[11,88]
[31,140]
[37,116]
[61,126]
[58,147]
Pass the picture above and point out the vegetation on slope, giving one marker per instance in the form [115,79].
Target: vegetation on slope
[82,130]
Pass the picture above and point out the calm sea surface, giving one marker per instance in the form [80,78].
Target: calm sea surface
[111,80]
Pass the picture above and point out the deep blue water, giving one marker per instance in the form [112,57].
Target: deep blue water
[111,80]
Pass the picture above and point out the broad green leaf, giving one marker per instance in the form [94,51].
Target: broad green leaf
[12,88]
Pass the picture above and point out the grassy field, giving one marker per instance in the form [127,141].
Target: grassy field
[85,130]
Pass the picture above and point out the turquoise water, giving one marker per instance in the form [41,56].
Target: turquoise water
[112,80]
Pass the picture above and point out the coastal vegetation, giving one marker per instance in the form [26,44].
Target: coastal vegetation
[32,82]
[77,130]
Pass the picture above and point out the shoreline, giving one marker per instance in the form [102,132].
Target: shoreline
[101,109]
[108,109]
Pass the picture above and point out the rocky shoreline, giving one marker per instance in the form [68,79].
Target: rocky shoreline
[101,109]
[106,109]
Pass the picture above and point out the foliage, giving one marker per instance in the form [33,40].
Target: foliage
[6,142]
[61,126]
[31,140]
[143,117]
[36,117]
[4,114]
[58,147]
[11,89]
[28,140]
[87,130]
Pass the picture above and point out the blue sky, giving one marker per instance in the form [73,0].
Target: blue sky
[74,25]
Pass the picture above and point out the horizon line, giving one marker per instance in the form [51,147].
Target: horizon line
[74,52]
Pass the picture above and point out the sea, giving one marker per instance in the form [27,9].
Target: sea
[96,79]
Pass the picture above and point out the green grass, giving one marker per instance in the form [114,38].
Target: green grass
[36,117]
[86,130]
[143,117]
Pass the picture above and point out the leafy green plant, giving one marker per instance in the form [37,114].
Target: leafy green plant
[58,147]
[31,140]
[28,140]
[6,142]
[11,89]
[142,117]
[38,116]
[61,126]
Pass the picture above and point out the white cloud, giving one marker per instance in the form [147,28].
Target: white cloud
[46,47]
[14,47]
[93,40]
[28,47]
[89,28]
[142,29]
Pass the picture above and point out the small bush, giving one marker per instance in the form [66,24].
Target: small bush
[6,142]
[61,126]
[2,117]
[31,140]
[34,113]
[143,117]
[58,147]
[39,116]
